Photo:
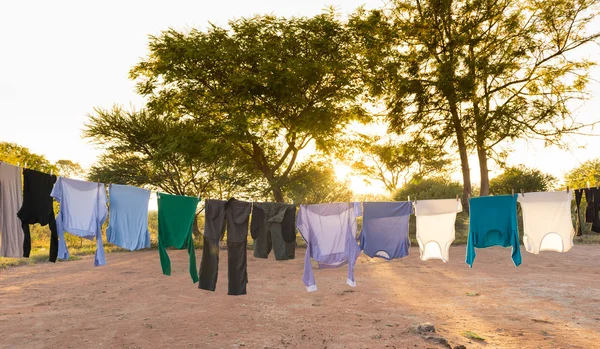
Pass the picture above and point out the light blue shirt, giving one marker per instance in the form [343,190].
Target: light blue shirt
[128,223]
[82,213]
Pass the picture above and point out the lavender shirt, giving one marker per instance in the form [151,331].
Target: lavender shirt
[330,234]
[82,213]
[385,229]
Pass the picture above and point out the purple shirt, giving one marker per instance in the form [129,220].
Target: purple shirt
[330,234]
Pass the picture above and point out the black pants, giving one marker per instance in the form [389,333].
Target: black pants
[53,239]
[578,196]
[595,208]
[37,208]
[209,266]
[236,262]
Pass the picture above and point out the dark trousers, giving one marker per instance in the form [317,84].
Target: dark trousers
[237,266]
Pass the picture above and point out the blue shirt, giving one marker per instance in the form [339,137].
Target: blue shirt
[385,229]
[493,222]
[82,213]
[128,223]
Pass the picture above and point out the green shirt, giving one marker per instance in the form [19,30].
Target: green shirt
[176,216]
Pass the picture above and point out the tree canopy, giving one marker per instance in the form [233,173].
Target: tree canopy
[428,189]
[266,88]
[394,162]
[588,173]
[149,150]
[478,73]
[517,178]
[13,153]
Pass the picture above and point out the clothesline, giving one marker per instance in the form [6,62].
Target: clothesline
[329,230]
[251,200]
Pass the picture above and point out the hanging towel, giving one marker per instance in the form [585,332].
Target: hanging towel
[11,199]
[385,229]
[176,216]
[493,222]
[547,221]
[37,208]
[330,234]
[273,228]
[82,213]
[435,227]
[128,223]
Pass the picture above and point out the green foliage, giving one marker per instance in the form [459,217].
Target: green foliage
[13,153]
[265,88]
[479,73]
[586,173]
[519,178]
[394,162]
[69,168]
[315,183]
[428,188]
[147,150]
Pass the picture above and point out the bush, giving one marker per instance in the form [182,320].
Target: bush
[519,178]
[429,188]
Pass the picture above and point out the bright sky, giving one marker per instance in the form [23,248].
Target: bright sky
[61,58]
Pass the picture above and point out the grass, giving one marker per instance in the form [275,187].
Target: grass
[473,335]
[41,254]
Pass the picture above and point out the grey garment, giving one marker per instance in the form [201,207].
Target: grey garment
[269,220]
[214,219]
[237,214]
[11,200]
[234,215]
[214,229]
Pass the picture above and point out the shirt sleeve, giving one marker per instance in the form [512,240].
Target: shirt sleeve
[470,249]
[101,212]
[57,192]
[308,277]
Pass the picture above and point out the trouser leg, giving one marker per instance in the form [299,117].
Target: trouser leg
[209,266]
[237,267]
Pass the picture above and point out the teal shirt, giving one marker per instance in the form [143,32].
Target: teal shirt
[493,222]
[176,216]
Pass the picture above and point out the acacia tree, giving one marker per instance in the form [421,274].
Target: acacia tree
[147,150]
[14,153]
[478,72]
[411,58]
[266,88]
[156,152]
[521,75]
[393,162]
[69,168]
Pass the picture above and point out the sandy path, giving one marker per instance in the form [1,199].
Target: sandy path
[551,301]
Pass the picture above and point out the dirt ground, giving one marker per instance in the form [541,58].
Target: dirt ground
[550,301]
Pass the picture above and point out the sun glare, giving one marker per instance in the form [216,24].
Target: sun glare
[357,183]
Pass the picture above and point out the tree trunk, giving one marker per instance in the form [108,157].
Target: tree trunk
[277,193]
[464,158]
[483,170]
